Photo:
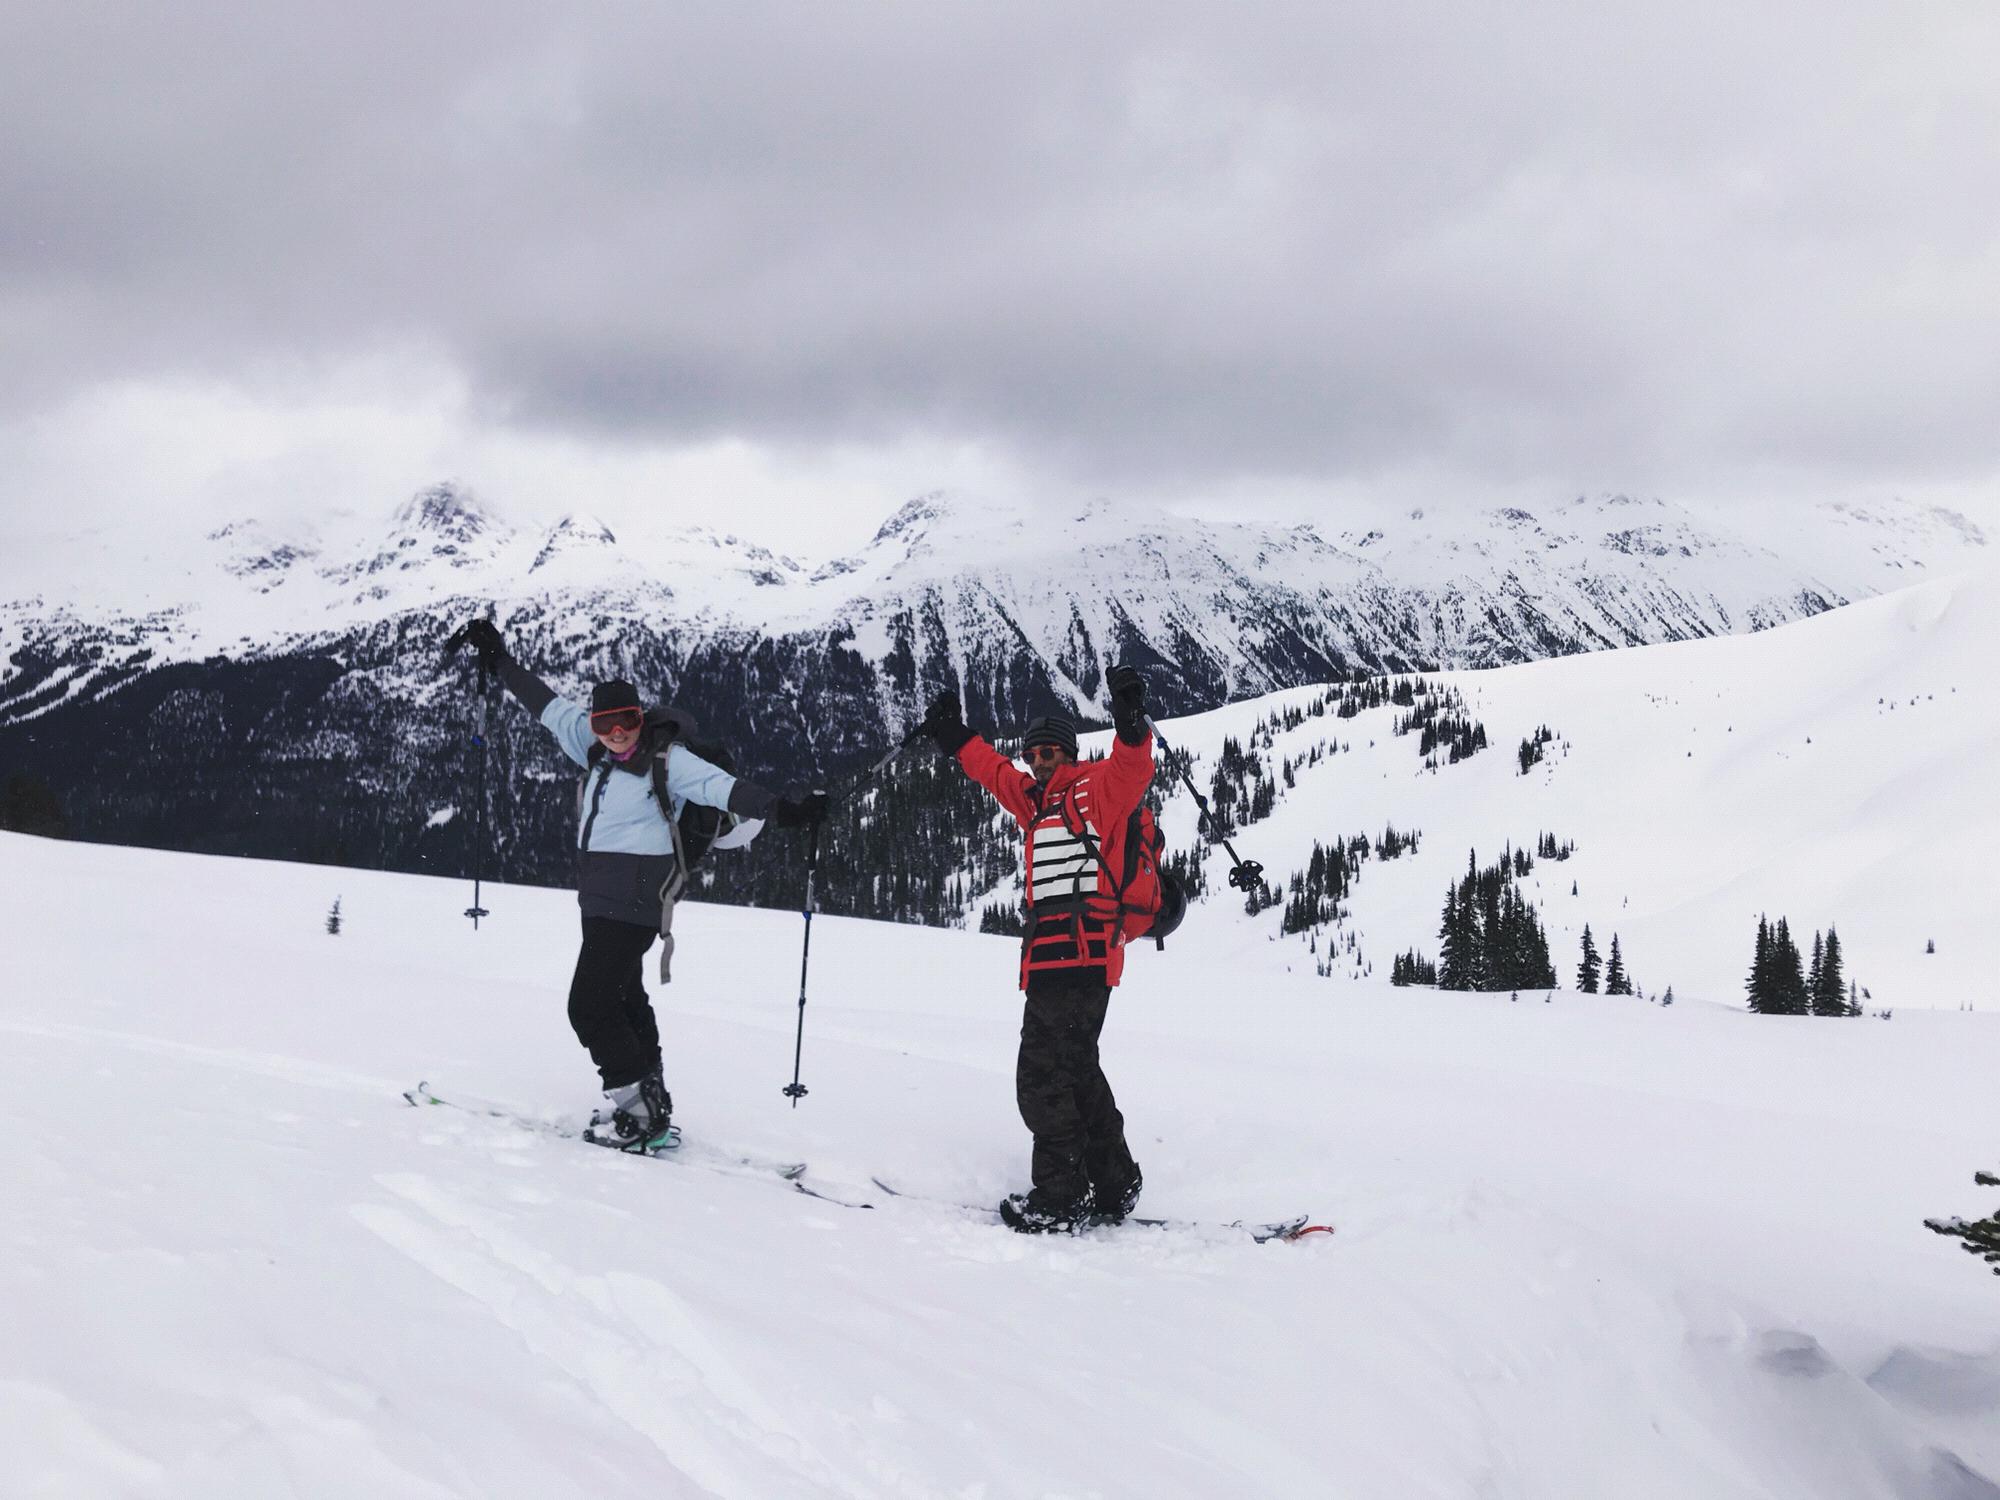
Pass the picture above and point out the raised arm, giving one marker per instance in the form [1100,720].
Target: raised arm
[944,722]
[1006,781]
[569,724]
[1128,772]
[563,719]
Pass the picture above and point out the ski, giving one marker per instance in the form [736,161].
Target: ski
[825,1197]
[1285,1230]
[693,1152]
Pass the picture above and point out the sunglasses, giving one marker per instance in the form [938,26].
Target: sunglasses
[1043,752]
[612,720]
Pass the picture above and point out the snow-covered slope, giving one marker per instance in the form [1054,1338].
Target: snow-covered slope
[1587,1248]
[1837,771]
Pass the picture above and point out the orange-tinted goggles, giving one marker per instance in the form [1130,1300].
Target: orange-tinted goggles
[612,720]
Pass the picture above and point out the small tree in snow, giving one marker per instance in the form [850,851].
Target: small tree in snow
[1980,1237]
[333,919]
[1616,980]
[1592,967]
[1829,979]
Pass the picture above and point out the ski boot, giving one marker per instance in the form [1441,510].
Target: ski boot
[636,1117]
[1110,1202]
[1035,1212]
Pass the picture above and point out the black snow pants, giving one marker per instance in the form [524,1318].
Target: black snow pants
[1065,1101]
[608,1008]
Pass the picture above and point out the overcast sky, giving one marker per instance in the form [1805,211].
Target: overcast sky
[783,266]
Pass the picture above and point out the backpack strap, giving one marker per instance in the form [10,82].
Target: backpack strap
[660,791]
[1081,828]
[670,889]
[1134,834]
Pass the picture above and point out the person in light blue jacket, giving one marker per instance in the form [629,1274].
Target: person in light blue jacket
[630,868]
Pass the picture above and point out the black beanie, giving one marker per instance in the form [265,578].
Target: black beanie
[607,696]
[1051,729]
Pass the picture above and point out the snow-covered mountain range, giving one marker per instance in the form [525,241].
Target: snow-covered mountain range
[282,693]
[1021,607]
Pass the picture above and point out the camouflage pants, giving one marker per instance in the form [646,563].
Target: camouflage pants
[1065,1101]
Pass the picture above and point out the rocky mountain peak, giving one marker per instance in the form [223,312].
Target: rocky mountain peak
[914,518]
[445,510]
[575,532]
[443,522]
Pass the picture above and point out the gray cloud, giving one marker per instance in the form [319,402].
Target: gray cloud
[1128,243]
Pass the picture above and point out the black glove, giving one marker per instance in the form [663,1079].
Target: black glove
[944,722]
[799,812]
[1128,703]
[484,637]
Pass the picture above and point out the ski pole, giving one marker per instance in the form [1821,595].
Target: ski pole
[476,911]
[1246,874]
[877,767]
[452,644]
[795,1090]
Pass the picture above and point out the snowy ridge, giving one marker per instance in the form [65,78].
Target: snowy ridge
[1018,605]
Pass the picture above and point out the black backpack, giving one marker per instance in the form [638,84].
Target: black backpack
[701,828]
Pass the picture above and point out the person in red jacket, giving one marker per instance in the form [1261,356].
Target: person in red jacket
[1073,818]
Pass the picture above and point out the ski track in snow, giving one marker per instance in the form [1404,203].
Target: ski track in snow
[627,1339]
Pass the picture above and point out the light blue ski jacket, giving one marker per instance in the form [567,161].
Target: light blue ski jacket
[619,813]
[626,868]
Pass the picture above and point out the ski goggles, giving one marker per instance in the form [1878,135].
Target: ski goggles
[617,720]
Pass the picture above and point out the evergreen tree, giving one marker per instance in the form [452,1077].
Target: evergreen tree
[1487,934]
[1531,943]
[1503,959]
[1616,980]
[1493,939]
[28,804]
[1981,1236]
[1759,983]
[1592,967]
[1454,956]
[1004,918]
[1788,973]
[1545,965]
[1829,983]
[1412,968]
[333,919]
[1812,973]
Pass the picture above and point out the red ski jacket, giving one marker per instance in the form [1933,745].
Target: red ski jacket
[1071,905]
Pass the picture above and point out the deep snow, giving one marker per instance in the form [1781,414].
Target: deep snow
[1587,1247]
